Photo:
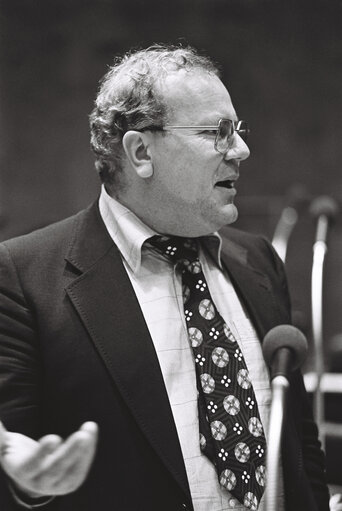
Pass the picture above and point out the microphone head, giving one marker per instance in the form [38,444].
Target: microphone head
[285,336]
[324,205]
[298,196]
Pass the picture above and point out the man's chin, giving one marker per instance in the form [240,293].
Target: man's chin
[230,214]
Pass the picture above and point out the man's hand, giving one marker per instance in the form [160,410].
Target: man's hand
[49,466]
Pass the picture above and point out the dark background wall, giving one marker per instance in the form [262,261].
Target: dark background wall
[282,65]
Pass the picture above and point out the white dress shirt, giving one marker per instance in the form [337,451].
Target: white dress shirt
[158,288]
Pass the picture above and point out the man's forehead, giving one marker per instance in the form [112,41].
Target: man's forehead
[196,96]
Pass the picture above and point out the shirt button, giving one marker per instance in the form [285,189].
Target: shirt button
[184,506]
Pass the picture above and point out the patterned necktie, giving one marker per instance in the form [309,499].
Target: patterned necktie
[231,433]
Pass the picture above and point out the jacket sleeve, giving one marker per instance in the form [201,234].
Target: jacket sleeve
[20,373]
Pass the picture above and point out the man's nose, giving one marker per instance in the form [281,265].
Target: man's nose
[239,149]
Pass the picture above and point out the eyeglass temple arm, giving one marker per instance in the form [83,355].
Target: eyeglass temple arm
[174,126]
[171,126]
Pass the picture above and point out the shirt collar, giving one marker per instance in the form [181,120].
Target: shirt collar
[129,233]
[213,245]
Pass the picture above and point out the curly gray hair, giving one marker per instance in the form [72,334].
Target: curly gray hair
[128,98]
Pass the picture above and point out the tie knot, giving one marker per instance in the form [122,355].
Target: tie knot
[176,248]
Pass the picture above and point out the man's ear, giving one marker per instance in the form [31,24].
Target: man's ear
[136,148]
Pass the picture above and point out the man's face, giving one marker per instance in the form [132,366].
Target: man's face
[190,192]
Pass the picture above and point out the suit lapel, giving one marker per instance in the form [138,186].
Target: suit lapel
[105,301]
[253,288]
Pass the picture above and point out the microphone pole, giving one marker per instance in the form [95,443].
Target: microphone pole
[324,209]
[297,197]
[284,350]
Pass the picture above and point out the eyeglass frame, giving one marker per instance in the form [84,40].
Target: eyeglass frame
[235,125]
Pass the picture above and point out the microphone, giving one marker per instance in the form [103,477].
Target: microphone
[284,350]
[324,205]
[298,196]
[296,199]
[324,210]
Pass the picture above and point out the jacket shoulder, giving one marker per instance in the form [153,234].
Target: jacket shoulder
[257,249]
[53,237]
[242,238]
[255,244]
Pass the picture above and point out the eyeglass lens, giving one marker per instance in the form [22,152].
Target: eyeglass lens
[225,133]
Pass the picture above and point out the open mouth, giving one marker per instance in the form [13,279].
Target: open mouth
[226,184]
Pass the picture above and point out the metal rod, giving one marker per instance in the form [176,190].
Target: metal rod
[319,251]
[279,386]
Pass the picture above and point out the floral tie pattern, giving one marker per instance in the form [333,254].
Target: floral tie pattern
[231,432]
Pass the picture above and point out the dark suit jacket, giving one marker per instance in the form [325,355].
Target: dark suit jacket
[74,347]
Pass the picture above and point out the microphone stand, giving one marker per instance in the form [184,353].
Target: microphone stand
[325,209]
[284,349]
[279,386]
[319,251]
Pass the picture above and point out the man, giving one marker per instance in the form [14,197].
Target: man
[93,326]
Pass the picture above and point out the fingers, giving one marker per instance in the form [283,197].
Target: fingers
[71,466]
[66,466]
[91,427]
[52,454]
[51,466]
[38,452]
[79,445]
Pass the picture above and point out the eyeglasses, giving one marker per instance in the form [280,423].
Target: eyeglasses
[225,131]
